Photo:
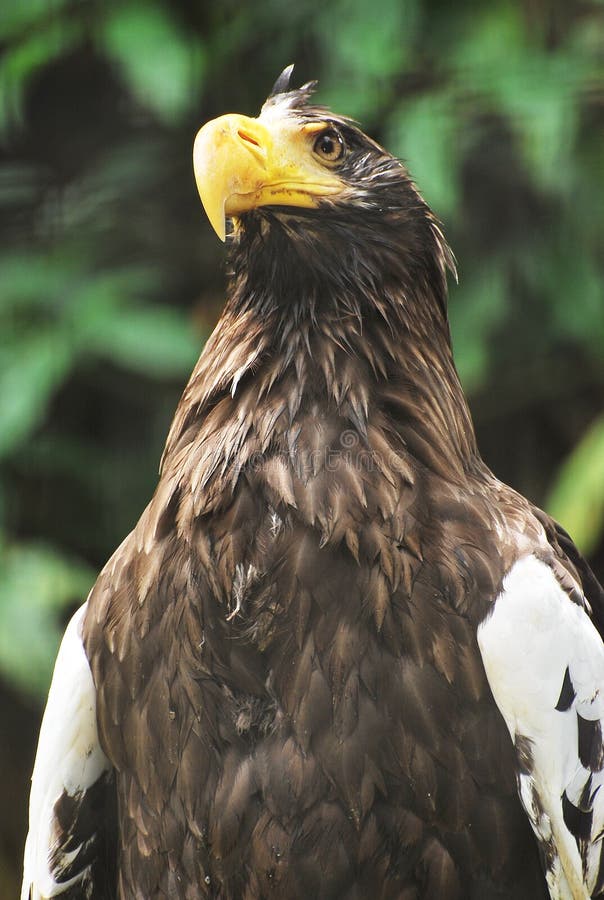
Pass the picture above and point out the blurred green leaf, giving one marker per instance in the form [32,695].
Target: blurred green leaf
[85,312]
[36,584]
[576,498]
[539,97]
[152,340]
[161,65]
[490,39]
[22,60]
[17,17]
[30,371]
[34,280]
[370,49]
[100,296]
[578,310]
[537,90]
[477,306]
[424,133]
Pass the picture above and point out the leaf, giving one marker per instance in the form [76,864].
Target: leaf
[423,132]
[535,88]
[576,285]
[16,17]
[22,60]
[492,40]
[476,307]
[156,341]
[372,45]
[30,371]
[56,309]
[539,98]
[161,66]
[96,297]
[576,498]
[31,280]
[36,584]
[361,46]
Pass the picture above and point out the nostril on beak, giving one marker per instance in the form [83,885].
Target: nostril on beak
[247,138]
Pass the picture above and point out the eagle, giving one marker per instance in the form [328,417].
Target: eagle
[336,658]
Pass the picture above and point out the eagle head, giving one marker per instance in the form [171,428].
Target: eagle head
[303,171]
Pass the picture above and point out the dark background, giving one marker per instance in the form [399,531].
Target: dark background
[111,278]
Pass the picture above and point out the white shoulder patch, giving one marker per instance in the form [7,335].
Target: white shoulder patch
[544,661]
[69,761]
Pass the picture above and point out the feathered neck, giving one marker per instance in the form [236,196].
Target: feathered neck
[348,322]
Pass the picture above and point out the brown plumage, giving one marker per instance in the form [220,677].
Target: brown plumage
[289,687]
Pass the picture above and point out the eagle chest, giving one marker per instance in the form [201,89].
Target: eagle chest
[308,653]
[345,669]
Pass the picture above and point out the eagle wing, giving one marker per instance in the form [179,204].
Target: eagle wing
[72,799]
[544,660]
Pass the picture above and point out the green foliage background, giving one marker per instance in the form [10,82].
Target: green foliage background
[110,278]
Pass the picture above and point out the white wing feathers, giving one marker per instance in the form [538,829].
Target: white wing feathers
[69,763]
[544,661]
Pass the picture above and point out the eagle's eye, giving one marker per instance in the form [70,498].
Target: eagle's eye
[329,146]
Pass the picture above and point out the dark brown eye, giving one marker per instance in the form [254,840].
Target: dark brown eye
[329,146]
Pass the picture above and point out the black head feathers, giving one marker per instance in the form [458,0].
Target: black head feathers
[283,82]
[283,93]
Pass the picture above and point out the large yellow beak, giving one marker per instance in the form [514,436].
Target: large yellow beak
[241,164]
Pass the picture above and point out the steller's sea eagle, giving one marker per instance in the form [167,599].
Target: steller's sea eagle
[336,658]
